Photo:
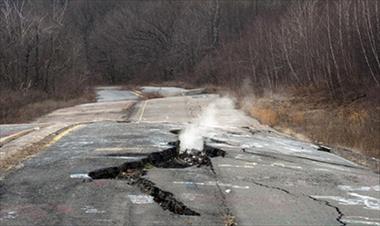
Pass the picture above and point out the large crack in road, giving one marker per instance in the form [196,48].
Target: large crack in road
[133,171]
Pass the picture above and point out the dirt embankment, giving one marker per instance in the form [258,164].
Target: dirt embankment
[353,123]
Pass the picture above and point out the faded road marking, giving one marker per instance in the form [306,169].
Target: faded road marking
[12,137]
[250,166]
[8,215]
[361,220]
[285,166]
[27,150]
[92,210]
[142,111]
[62,134]
[368,201]
[245,156]
[80,176]
[363,188]
[322,169]
[211,183]
[141,199]
[137,93]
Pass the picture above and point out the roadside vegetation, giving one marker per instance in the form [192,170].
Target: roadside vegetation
[42,67]
[310,67]
[353,124]
[21,107]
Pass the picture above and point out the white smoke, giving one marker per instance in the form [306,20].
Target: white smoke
[192,136]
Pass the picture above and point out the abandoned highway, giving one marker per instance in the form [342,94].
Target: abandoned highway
[116,162]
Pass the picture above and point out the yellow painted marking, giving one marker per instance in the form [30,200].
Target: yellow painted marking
[14,136]
[62,134]
[142,110]
[137,93]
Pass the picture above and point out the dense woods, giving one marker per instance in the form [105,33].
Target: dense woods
[270,44]
[38,51]
[58,45]
[330,44]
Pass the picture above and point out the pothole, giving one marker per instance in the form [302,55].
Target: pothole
[133,171]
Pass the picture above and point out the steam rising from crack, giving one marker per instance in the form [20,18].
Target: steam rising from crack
[191,138]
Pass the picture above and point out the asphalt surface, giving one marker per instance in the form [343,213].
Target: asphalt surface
[7,130]
[266,178]
[166,91]
[116,93]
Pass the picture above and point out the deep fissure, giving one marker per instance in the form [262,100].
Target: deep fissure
[133,171]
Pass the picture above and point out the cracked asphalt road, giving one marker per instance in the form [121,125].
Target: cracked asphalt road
[266,178]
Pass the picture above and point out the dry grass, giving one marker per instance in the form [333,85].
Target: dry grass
[265,114]
[353,125]
[21,107]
